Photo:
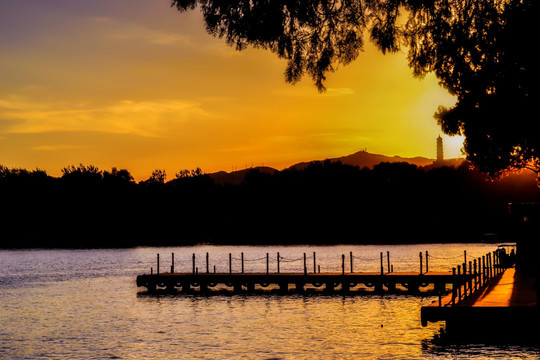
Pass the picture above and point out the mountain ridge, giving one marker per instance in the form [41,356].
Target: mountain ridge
[360,158]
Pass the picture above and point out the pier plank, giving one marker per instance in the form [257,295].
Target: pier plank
[511,288]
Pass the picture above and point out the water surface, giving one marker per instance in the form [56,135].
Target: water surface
[84,304]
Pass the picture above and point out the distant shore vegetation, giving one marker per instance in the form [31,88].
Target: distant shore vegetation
[326,202]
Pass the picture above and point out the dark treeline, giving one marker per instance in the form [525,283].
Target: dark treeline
[327,202]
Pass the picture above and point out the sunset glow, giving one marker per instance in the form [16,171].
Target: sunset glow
[135,84]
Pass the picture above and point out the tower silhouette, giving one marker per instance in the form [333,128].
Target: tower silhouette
[440,152]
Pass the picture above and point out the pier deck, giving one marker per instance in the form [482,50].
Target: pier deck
[511,289]
[398,282]
[507,305]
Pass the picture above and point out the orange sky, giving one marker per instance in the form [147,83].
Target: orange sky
[137,85]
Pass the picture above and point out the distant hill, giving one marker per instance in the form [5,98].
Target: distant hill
[365,159]
[361,159]
[236,177]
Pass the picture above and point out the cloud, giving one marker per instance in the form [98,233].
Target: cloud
[58,147]
[152,118]
[310,92]
[126,31]
[339,91]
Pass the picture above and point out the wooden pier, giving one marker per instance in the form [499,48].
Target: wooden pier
[345,282]
[502,308]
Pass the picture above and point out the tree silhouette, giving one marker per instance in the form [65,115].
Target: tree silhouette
[158,177]
[480,50]
[185,173]
[324,202]
[120,177]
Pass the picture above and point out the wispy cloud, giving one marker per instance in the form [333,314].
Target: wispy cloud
[339,91]
[57,147]
[310,91]
[154,118]
[119,30]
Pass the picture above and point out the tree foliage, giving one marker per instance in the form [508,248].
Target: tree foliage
[325,202]
[480,50]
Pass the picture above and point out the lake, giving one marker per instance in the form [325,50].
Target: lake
[84,304]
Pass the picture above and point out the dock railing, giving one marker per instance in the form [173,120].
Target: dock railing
[280,260]
[461,282]
[473,276]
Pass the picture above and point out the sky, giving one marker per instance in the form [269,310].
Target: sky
[134,84]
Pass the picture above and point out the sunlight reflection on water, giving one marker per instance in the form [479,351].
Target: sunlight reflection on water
[84,304]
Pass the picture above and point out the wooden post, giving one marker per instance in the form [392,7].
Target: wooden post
[388,260]
[305,264]
[459,287]
[151,271]
[454,284]
[267,264]
[488,275]
[230,263]
[319,268]
[427,262]
[480,280]
[464,267]
[470,278]
[193,261]
[172,264]
[493,268]
[475,276]
[158,264]
[314,262]
[484,269]
[420,263]
[496,262]
[351,258]
[343,264]
[278,262]
[487,267]
[207,268]
[242,258]
[490,266]
[382,267]
[465,256]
